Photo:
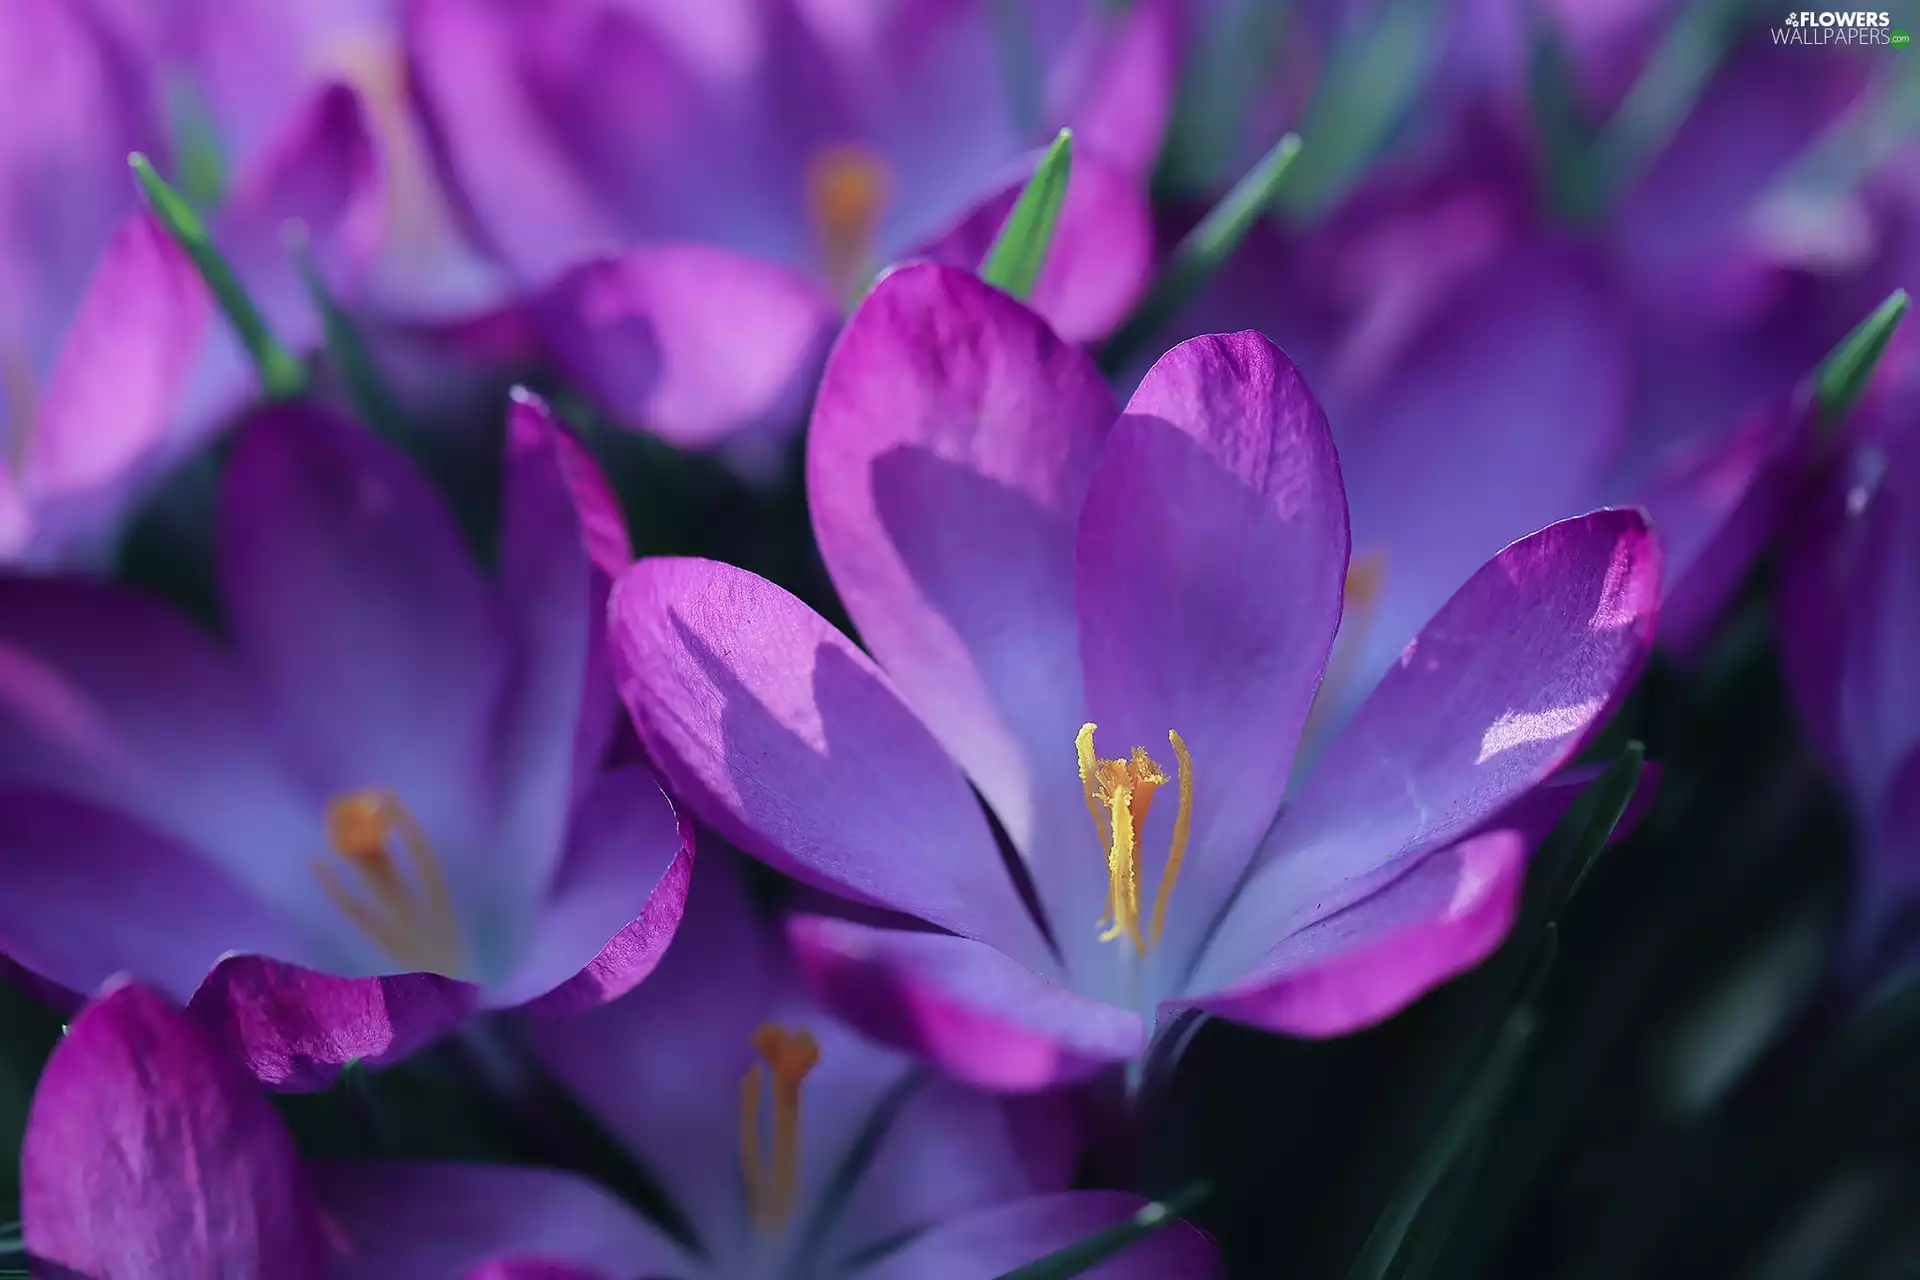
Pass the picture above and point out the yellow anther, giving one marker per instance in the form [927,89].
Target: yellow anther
[772,1174]
[847,190]
[1119,795]
[411,920]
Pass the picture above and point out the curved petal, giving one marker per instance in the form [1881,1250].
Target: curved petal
[1117,87]
[85,101]
[1365,963]
[693,343]
[324,173]
[362,617]
[562,542]
[1717,506]
[1515,393]
[615,904]
[91,893]
[146,1154]
[440,1221]
[110,697]
[1504,685]
[295,1028]
[964,1007]
[1212,550]
[952,442]
[494,147]
[1101,258]
[679,1111]
[949,1150]
[774,728]
[102,425]
[531,1269]
[1008,1236]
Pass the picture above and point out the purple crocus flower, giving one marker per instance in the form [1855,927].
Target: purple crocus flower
[1461,340]
[1113,626]
[96,296]
[377,800]
[149,1153]
[745,1103]
[696,192]
[1849,626]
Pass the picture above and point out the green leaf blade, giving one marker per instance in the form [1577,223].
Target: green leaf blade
[282,376]
[1082,1256]
[1843,376]
[1020,250]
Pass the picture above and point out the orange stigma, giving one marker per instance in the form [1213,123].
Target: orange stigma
[411,919]
[1119,794]
[847,190]
[771,1171]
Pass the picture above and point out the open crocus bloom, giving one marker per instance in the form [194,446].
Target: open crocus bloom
[149,1153]
[109,368]
[696,192]
[788,1144]
[1114,630]
[379,801]
[1849,625]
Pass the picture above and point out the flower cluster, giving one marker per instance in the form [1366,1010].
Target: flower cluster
[472,826]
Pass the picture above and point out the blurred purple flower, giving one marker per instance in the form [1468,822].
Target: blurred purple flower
[1024,567]
[750,1109]
[110,367]
[376,802]
[148,1153]
[1849,625]
[696,192]
[1658,357]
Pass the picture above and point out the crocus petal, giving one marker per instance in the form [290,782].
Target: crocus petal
[964,1007]
[775,729]
[147,1154]
[1717,506]
[102,424]
[1101,257]
[690,342]
[1000,1239]
[440,1221]
[992,1150]
[294,1028]
[1504,684]
[952,442]
[92,892]
[679,1111]
[1212,552]
[615,902]
[525,1269]
[491,141]
[1521,343]
[323,173]
[63,173]
[1117,88]
[361,614]
[562,542]
[1365,963]
[111,697]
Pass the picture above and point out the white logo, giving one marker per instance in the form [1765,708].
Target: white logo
[1834,27]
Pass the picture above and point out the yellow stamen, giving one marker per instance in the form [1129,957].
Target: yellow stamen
[412,921]
[772,1176]
[847,189]
[1182,831]
[1119,796]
